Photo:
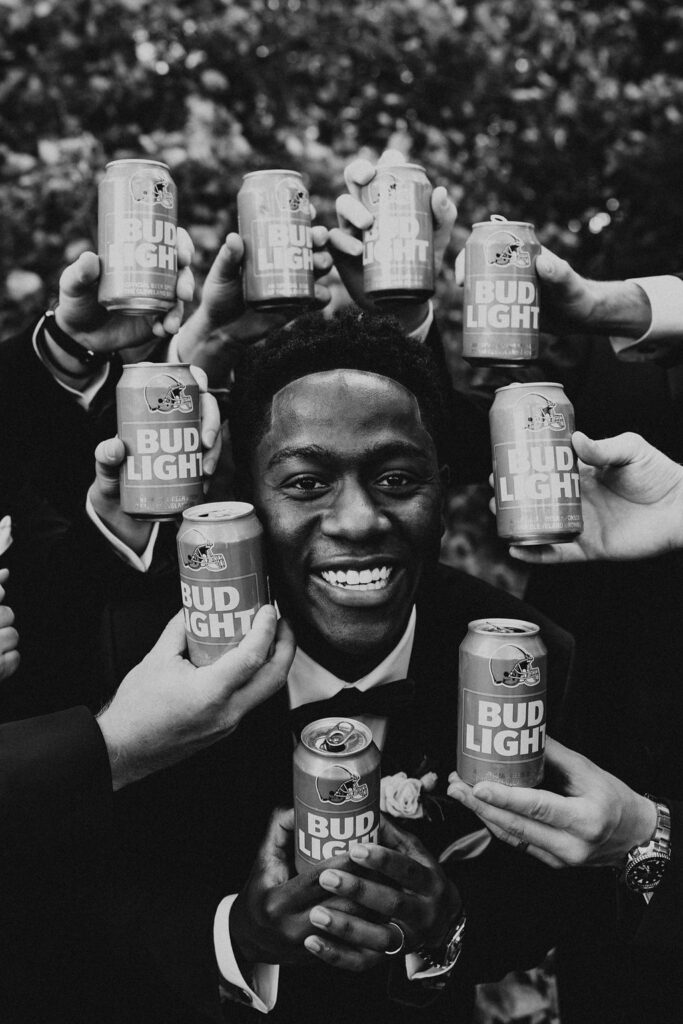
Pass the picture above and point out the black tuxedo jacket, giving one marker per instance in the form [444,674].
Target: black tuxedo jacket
[190,835]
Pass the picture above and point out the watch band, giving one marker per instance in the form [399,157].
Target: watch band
[62,340]
[646,862]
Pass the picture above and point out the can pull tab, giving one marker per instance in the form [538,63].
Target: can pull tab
[335,741]
[499,218]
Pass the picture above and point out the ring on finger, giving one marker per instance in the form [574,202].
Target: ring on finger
[522,846]
[401,939]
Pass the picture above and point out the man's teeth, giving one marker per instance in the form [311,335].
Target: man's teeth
[365,579]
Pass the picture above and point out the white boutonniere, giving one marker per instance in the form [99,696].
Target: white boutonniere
[402,797]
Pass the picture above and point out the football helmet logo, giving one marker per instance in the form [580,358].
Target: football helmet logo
[151,188]
[511,666]
[164,393]
[202,556]
[507,250]
[387,187]
[541,415]
[292,196]
[340,786]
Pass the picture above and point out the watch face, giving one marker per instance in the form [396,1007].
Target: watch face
[645,875]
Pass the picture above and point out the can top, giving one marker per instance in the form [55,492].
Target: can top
[531,384]
[137,160]
[497,218]
[274,170]
[218,511]
[161,366]
[333,737]
[504,627]
[400,167]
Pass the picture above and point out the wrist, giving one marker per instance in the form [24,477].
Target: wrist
[640,824]
[58,354]
[621,309]
[119,762]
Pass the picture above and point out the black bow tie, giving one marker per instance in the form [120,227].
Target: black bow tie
[386,700]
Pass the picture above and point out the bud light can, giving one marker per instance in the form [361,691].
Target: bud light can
[222,576]
[137,238]
[502,683]
[274,220]
[535,470]
[398,249]
[336,790]
[501,306]
[158,417]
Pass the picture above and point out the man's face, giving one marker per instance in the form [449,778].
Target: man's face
[347,487]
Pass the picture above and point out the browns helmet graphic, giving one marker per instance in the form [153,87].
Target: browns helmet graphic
[164,393]
[386,186]
[151,188]
[202,555]
[340,786]
[512,666]
[539,414]
[505,249]
[291,196]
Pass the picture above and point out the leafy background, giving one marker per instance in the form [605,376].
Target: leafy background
[562,112]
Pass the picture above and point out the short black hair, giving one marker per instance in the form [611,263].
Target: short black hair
[350,340]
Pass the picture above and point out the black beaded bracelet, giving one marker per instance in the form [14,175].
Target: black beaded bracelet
[62,340]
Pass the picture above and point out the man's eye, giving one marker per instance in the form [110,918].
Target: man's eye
[395,480]
[306,483]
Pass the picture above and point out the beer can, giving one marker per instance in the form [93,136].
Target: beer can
[398,249]
[535,470]
[274,220]
[223,580]
[159,422]
[336,790]
[137,238]
[502,684]
[501,306]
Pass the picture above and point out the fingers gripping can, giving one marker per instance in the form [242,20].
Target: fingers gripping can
[222,576]
[398,250]
[274,220]
[502,703]
[535,470]
[336,790]
[137,238]
[158,417]
[501,306]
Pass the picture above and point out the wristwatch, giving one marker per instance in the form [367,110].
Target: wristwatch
[645,865]
[442,958]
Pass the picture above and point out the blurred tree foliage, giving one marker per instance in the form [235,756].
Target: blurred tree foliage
[563,112]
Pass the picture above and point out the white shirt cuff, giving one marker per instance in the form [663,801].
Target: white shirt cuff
[666,301]
[420,333]
[140,562]
[263,995]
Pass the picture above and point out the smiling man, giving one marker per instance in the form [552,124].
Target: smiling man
[338,428]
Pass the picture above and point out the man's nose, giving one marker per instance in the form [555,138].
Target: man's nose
[354,513]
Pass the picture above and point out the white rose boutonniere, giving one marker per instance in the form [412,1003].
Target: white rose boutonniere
[401,797]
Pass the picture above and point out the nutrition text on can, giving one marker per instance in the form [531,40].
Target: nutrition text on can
[336,790]
[274,219]
[137,238]
[223,581]
[158,420]
[535,470]
[502,703]
[398,249]
[500,303]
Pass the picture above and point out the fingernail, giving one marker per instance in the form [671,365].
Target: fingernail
[312,943]
[358,852]
[356,247]
[320,917]
[110,449]
[483,793]
[172,324]
[330,880]
[209,438]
